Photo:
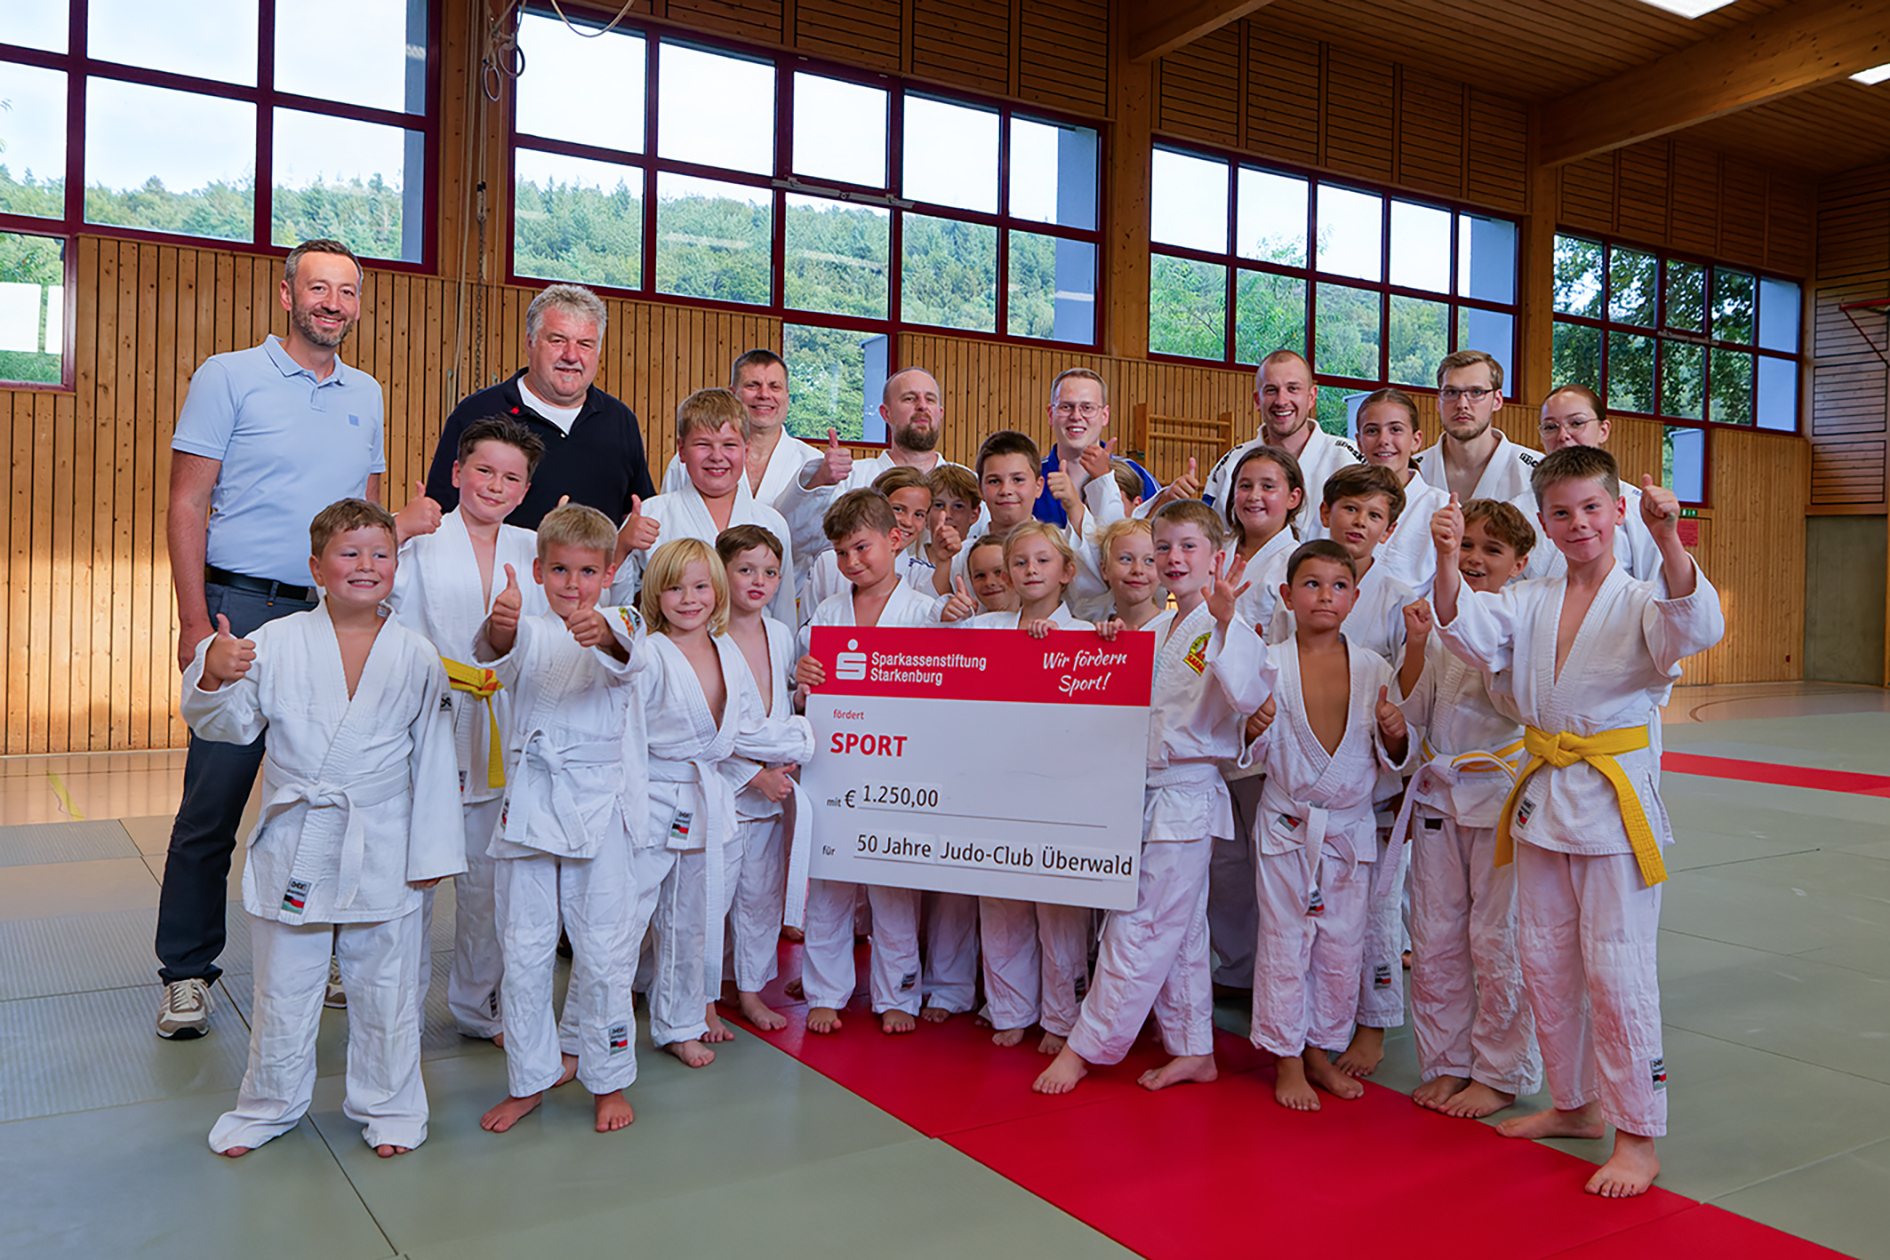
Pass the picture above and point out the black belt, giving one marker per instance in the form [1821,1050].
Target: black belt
[258,586]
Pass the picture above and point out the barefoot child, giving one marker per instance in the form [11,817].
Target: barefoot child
[570,846]
[752,557]
[443,588]
[1590,655]
[861,526]
[1267,495]
[1317,839]
[712,432]
[1210,672]
[1036,955]
[1363,503]
[1476,1041]
[361,812]
[708,734]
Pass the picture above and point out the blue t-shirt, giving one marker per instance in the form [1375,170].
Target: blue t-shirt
[290,445]
[1050,508]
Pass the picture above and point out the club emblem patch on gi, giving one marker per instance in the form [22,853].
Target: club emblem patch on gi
[1316,905]
[295,898]
[1659,1069]
[1289,822]
[1196,659]
[632,620]
[908,980]
[446,703]
[1523,811]
[619,1038]
[1381,976]
[1433,824]
[679,829]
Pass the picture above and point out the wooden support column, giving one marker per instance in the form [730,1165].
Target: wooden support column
[1535,334]
[1126,189]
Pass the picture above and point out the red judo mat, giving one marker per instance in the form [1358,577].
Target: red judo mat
[1776,773]
[1222,1169]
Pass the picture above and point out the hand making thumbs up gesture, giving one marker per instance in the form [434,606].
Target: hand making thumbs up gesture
[1447,531]
[420,516]
[1390,720]
[227,659]
[638,532]
[960,604]
[836,464]
[502,621]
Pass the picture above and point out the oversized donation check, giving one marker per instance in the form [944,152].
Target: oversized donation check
[983,762]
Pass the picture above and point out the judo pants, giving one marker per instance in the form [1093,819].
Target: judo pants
[680,987]
[951,950]
[1381,975]
[380,970]
[472,984]
[1154,958]
[827,973]
[1233,914]
[754,932]
[1012,961]
[1587,929]
[605,918]
[1312,941]
[1468,1008]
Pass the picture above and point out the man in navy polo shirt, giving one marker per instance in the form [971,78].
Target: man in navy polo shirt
[593,448]
[267,437]
[1079,411]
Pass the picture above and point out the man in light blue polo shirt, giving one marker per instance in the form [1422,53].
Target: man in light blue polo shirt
[267,437]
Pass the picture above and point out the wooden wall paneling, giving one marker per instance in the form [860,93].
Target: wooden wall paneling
[1283,94]
[20,575]
[1063,54]
[12,575]
[1359,95]
[424,428]
[89,618]
[869,32]
[1496,152]
[39,694]
[143,504]
[1696,199]
[97,349]
[758,20]
[1201,88]
[1645,191]
[966,42]
[1742,212]
[192,346]
[1757,555]
[1849,417]
[1588,193]
[1791,226]
[1854,224]
[124,442]
[1431,149]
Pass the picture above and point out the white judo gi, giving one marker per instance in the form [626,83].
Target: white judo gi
[1589,915]
[571,846]
[1233,915]
[1634,547]
[805,508]
[1323,455]
[1318,854]
[1035,955]
[696,765]
[761,836]
[685,514]
[360,800]
[824,579]
[827,971]
[1155,957]
[1408,554]
[1467,1003]
[437,593]
[1505,477]
[1376,623]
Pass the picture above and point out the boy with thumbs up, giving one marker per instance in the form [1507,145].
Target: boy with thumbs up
[1589,657]
[445,585]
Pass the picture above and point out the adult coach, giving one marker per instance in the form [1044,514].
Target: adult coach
[267,437]
[1472,458]
[760,380]
[1079,412]
[593,448]
[1286,396]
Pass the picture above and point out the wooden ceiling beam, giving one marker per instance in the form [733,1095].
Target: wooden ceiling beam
[1161,26]
[1775,55]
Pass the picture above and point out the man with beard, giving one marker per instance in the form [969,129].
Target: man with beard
[1473,459]
[1285,395]
[915,418]
[267,437]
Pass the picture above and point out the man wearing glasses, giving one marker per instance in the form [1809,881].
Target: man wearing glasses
[1079,412]
[1472,459]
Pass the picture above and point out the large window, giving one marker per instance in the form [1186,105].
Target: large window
[1690,342]
[1374,288]
[257,122]
[847,204]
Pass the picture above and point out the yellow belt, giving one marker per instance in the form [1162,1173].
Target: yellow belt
[1562,750]
[484,684]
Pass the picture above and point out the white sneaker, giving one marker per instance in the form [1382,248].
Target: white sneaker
[335,999]
[184,1011]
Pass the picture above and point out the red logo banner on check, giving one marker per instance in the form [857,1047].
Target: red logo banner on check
[1066,667]
[983,762]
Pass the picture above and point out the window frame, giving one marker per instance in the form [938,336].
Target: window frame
[1312,277]
[80,67]
[783,183]
[1661,331]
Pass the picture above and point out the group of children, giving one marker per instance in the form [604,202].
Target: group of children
[618,732]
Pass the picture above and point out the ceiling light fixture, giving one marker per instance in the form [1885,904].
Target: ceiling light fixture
[1876,74]
[1689,8]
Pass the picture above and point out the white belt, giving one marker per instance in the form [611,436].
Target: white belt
[1318,820]
[540,787]
[350,798]
[1183,774]
[1446,771]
